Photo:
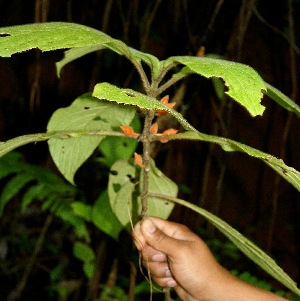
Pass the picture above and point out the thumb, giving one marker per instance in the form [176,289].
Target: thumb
[158,239]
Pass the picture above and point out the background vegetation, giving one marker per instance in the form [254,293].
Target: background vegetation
[36,248]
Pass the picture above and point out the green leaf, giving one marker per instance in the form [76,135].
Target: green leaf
[85,113]
[288,173]
[104,218]
[75,53]
[67,215]
[244,244]
[282,99]
[159,184]
[130,97]
[115,45]
[48,36]
[115,148]
[10,164]
[8,146]
[86,254]
[89,268]
[244,84]
[126,202]
[12,188]
[120,190]
[83,210]
[29,196]
[83,252]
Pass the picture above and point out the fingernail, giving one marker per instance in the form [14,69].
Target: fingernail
[159,257]
[168,273]
[171,283]
[149,226]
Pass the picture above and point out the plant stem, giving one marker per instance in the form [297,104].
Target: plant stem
[142,74]
[145,139]
[170,83]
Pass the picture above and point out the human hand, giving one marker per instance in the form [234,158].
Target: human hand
[176,257]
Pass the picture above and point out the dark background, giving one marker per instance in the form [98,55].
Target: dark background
[263,34]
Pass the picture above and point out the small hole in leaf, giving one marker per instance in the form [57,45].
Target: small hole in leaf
[130,94]
[3,35]
[131,178]
[114,172]
[116,187]
[125,144]
[87,108]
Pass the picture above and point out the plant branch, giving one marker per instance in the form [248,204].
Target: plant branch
[9,145]
[145,139]
[161,75]
[143,76]
[170,83]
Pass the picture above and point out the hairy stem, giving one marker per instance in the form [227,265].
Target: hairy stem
[143,76]
[145,139]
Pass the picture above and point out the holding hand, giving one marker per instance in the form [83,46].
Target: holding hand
[177,257]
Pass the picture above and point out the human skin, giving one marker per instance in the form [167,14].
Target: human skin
[177,257]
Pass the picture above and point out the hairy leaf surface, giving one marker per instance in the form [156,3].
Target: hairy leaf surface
[244,84]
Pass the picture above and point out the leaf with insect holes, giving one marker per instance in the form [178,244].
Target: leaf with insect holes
[130,97]
[159,184]
[85,113]
[244,84]
[48,36]
[123,185]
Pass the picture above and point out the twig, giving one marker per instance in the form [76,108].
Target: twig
[93,284]
[142,74]
[132,281]
[167,292]
[145,139]
[170,83]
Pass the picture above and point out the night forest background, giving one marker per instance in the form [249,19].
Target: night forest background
[243,191]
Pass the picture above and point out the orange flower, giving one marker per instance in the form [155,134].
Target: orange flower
[154,128]
[167,133]
[165,101]
[138,160]
[128,131]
